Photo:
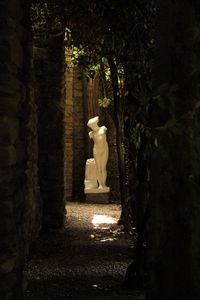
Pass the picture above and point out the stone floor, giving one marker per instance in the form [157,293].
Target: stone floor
[88,261]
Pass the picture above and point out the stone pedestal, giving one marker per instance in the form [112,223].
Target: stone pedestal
[103,190]
[100,198]
[96,195]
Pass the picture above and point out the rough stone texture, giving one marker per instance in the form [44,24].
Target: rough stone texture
[18,147]
[101,198]
[94,92]
[68,121]
[49,68]
[34,211]
[79,135]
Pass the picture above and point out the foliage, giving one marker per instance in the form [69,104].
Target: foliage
[85,61]
[46,17]
[104,102]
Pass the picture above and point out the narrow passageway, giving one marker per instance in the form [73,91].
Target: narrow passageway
[87,262]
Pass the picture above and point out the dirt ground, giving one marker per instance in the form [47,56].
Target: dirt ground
[88,261]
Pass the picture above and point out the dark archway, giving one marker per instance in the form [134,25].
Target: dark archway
[174,206]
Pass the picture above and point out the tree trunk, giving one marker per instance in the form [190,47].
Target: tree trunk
[120,142]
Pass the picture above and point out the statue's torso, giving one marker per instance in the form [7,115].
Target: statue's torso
[99,137]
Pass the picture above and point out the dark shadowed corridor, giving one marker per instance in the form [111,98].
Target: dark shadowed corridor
[87,261]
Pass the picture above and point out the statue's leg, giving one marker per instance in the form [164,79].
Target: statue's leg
[98,172]
[103,177]
[103,171]
[101,161]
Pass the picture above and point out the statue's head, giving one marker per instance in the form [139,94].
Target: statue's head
[93,122]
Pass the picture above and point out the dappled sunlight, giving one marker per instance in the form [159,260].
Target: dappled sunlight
[103,219]
[105,228]
[101,238]
[109,239]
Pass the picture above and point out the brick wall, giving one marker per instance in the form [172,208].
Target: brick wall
[79,134]
[68,124]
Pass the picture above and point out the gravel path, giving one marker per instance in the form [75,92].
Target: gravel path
[88,261]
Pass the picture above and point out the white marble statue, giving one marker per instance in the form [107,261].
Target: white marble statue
[100,152]
[90,174]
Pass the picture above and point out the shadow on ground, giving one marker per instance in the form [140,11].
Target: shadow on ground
[88,261]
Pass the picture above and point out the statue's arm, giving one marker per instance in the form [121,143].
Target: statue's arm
[90,134]
[104,128]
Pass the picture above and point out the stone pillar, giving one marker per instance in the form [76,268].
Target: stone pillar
[68,122]
[49,67]
[15,162]
[79,134]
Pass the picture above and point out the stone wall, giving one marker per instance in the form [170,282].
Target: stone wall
[75,136]
[68,124]
[19,197]
[79,134]
[93,94]
[33,217]
[50,69]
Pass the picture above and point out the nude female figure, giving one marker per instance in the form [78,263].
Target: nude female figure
[100,149]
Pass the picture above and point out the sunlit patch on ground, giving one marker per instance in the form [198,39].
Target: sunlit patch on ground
[103,219]
[105,228]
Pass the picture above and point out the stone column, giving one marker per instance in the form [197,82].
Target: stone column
[49,67]
[68,121]
[15,162]
[79,137]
